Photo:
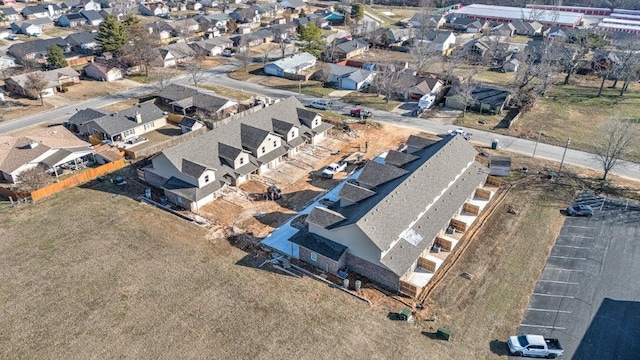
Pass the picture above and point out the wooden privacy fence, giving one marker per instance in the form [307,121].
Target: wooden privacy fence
[156,148]
[77,179]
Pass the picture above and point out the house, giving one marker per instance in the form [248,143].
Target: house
[192,173]
[440,41]
[188,124]
[349,77]
[71,20]
[211,47]
[262,36]
[527,28]
[216,20]
[193,5]
[119,126]
[387,37]
[504,30]
[470,26]
[105,69]
[351,48]
[604,60]
[2,95]
[511,65]
[83,42]
[427,21]
[294,5]
[92,17]
[190,100]
[79,5]
[486,99]
[56,78]
[10,14]
[187,26]
[41,11]
[33,27]
[293,64]
[7,2]
[429,85]
[153,9]
[7,62]
[384,222]
[246,15]
[36,49]
[49,147]
[162,30]
[173,54]
[557,33]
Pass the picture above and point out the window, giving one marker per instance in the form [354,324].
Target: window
[206,178]
[314,257]
[293,133]
[148,126]
[241,160]
[263,150]
[129,132]
[315,122]
[275,143]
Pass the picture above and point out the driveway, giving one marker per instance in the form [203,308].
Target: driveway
[588,294]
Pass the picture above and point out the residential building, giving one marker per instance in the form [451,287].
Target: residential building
[32,27]
[106,69]
[211,47]
[192,173]
[527,28]
[41,11]
[293,64]
[294,5]
[384,222]
[246,15]
[426,21]
[387,37]
[174,54]
[119,126]
[7,62]
[10,13]
[504,30]
[351,48]
[439,41]
[79,5]
[190,100]
[36,49]
[486,99]
[83,42]
[429,85]
[92,17]
[56,78]
[71,20]
[153,9]
[50,147]
[252,39]
[349,77]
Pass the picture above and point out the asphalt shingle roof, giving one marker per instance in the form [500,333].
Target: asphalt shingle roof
[116,123]
[320,245]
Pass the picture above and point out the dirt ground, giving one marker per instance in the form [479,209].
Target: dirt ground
[299,180]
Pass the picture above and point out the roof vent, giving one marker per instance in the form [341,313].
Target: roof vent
[33,145]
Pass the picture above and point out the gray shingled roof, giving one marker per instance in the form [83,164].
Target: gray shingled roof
[324,217]
[188,191]
[192,169]
[81,38]
[375,174]
[320,245]
[85,115]
[293,61]
[397,158]
[352,45]
[116,123]
[251,136]
[354,193]
[175,92]
[281,127]
[36,46]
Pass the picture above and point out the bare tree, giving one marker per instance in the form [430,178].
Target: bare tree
[34,178]
[464,92]
[142,48]
[243,53]
[164,77]
[422,55]
[323,74]
[267,50]
[195,71]
[36,84]
[533,78]
[616,138]
[628,66]
[279,36]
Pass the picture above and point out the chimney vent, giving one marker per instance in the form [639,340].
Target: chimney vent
[138,118]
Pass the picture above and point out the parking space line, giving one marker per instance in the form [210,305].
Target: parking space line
[573,247]
[547,310]
[559,282]
[550,268]
[580,236]
[552,295]
[567,257]
[544,327]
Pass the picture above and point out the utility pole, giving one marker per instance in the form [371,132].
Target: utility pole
[537,141]
[561,162]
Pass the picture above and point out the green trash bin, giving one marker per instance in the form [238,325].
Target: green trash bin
[494,144]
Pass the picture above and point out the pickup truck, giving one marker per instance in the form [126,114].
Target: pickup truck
[535,346]
[361,113]
[333,169]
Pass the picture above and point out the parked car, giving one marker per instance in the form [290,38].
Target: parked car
[12,37]
[321,104]
[327,27]
[535,346]
[333,169]
[580,210]
[228,52]
[460,131]
[361,113]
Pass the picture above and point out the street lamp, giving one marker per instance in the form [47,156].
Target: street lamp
[562,162]
[537,141]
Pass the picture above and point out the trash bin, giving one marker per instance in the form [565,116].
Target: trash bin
[494,144]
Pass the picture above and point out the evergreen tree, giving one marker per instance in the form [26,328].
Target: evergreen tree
[357,12]
[131,20]
[112,35]
[55,57]
[311,33]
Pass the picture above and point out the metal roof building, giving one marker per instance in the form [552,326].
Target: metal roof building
[508,13]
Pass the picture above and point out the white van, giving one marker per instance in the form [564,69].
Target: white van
[321,104]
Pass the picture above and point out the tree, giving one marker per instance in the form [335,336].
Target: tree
[36,84]
[34,178]
[55,57]
[616,138]
[164,77]
[357,12]
[112,35]
[302,14]
[195,71]
[628,66]
[279,36]
[243,53]
[423,54]
[573,50]
[130,21]
[533,78]
[464,93]
[312,37]
[232,26]
[142,47]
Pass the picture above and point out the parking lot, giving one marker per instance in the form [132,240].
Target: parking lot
[588,294]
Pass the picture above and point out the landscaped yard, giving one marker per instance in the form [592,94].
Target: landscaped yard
[309,87]
[227,92]
[243,74]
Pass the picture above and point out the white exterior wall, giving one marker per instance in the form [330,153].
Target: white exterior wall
[201,180]
[270,143]
[163,167]
[245,160]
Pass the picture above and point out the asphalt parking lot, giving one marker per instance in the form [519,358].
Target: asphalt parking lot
[588,294]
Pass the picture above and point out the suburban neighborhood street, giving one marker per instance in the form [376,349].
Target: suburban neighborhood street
[219,77]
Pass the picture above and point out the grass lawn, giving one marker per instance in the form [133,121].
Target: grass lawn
[228,92]
[242,74]
[141,78]
[371,100]
[309,87]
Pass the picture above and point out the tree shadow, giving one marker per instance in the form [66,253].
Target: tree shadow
[433,336]
[274,219]
[258,263]
[499,347]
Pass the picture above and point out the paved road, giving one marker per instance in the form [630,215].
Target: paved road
[586,295]
[219,77]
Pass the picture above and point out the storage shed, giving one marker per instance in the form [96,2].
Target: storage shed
[499,165]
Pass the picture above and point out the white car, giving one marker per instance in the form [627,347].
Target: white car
[460,131]
[321,104]
[228,52]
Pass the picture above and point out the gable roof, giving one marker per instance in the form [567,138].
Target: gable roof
[354,193]
[38,46]
[397,158]
[375,174]
[91,15]
[52,76]
[85,115]
[340,70]
[352,45]
[82,38]
[175,92]
[116,123]
[293,61]
[320,245]
[419,142]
